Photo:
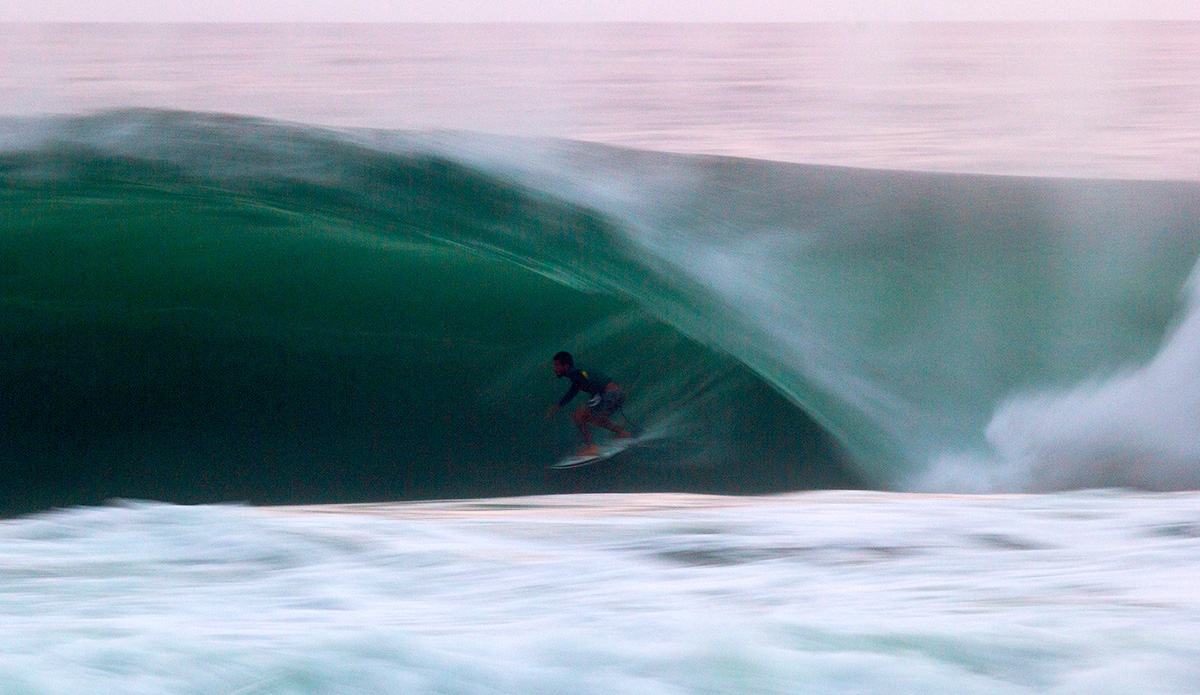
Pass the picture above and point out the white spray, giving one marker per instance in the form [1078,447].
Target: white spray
[1136,429]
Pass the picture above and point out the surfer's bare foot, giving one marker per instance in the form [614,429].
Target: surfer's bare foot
[590,450]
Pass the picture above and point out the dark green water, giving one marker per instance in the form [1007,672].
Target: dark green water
[182,336]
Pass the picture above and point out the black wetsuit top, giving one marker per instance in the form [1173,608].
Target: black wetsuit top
[587,380]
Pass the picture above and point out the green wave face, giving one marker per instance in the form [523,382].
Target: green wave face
[202,308]
[375,327]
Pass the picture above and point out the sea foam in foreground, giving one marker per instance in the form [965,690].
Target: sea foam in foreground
[823,592]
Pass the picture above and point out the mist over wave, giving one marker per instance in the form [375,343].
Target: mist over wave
[205,308]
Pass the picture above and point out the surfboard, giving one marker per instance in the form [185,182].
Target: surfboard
[613,448]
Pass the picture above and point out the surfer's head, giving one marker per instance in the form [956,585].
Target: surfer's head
[562,363]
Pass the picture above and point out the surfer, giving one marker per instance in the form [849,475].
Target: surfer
[606,398]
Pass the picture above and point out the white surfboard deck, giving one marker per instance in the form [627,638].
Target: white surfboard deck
[612,448]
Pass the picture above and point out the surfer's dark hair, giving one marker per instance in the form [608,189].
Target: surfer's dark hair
[565,358]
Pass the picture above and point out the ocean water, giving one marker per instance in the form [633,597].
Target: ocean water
[279,283]
[820,592]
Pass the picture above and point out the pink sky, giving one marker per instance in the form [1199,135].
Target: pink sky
[591,10]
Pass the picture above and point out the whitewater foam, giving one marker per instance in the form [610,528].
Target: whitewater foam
[1134,429]
[820,592]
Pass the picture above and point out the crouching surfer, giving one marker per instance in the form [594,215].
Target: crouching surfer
[606,398]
